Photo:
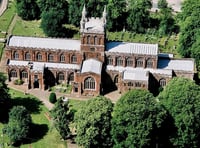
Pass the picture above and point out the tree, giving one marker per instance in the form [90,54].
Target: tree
[189,28]
[62,117]
[94,9]
[18,127]
[93,123]
[138,18]
[28,9]
[4,99]
[52,23]
[137,118]
[181,98]
[162,4]
[52,97]
[117,14]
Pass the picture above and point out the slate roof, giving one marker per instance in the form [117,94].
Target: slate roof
[46,43]
[39,66]
[136,74]
[180,65]
[132,48]
[92,65]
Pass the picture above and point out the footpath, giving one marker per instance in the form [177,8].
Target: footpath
[3,6]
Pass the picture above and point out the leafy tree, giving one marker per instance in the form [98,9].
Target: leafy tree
[138,18]
[93,123]
[52,97]
[94,8]
[167,22]
[4,99]
[189,27]
[51,23]
[18,127]
[62,117]
[137,118]
[28,9]
[117,14]
[181,97]
[162,4]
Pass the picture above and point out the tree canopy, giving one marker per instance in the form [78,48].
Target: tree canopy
[189,28]
[18,127]
[62,117]
[181,98]
[136,117]
[93,123]
[28,9]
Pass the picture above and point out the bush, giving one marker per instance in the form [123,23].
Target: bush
[52,98]
[18,82]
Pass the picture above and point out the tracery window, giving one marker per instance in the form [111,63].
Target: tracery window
[139,62]
[50,57]
[61,76]
[89,83]
[16,55]
[73,59]
[39,57]
[110,60]
[162,82]
[129,62]
[13,73]
[27,56]
[119,61]
[62,58]
[149,63]
[24,74]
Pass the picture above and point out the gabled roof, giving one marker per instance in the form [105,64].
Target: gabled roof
[45,43]
[136,74]
[180,65]
[132,48]
[91,65]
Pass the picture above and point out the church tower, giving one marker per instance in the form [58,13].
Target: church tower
[93,32]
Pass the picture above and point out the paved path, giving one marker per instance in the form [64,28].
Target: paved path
[3,6]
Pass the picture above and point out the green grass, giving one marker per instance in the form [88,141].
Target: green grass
[28,28]
[6,18]
[44,134]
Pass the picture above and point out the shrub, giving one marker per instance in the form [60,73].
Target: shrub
[18,82]
[52,97]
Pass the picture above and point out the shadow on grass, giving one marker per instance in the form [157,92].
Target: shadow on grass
[30,103]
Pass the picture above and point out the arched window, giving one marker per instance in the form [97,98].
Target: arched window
[162,82]
[39,57]
[130,83]
[61,76]
[89,83]
[88,39]
[139,62]
[138,84]
[16,55]
[116,79]
[71,77]
[129,62]
[149,63]
[119,61]
[73,59]
[95,40]
[24,74]
[110,60]
[27,56]
[62,58]
[50,57]
[13,73]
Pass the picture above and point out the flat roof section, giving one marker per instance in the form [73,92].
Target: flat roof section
[44,43]
[136,74]
[132,48]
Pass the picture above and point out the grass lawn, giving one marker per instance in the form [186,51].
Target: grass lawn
[28,28]
[44,134]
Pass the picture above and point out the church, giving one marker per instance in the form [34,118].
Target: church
[92,65]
